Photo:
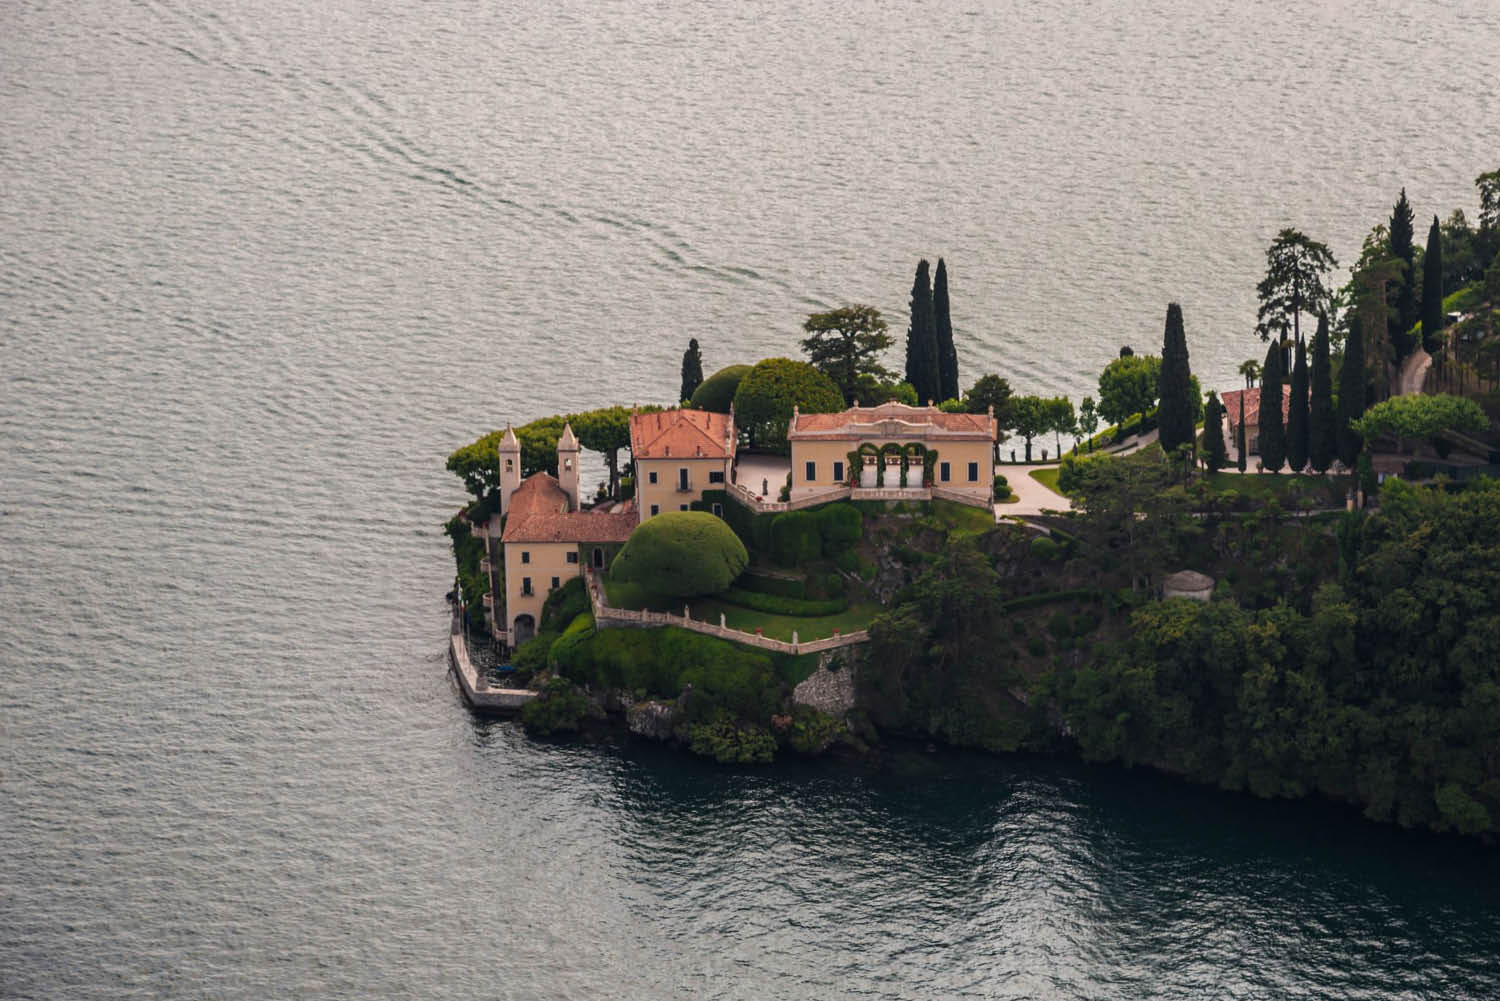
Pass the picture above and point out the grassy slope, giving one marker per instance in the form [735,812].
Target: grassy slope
[1048,478]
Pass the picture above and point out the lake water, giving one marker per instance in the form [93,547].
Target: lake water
[263,265]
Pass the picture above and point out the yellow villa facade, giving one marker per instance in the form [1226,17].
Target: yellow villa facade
[678,454]
[547,539]
[866,448]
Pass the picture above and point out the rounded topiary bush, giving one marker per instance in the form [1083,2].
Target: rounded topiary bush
[717,391]
[1044,548]
[681,554]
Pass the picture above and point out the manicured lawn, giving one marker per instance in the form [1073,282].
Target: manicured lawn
[1048,478]
[954,517]
[781,626]
[623,595]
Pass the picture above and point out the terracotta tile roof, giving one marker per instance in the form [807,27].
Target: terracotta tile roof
[682,434]
[539,513]
[892,419]
[1231,401]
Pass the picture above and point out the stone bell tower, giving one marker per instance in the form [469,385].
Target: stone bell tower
[567,465]
[510,467]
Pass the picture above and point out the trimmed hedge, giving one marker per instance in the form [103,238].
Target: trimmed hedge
[786,587]
[777,605]
[682,554]
[795,538]
[841,526]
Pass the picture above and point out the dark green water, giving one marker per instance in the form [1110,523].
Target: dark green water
[262,268]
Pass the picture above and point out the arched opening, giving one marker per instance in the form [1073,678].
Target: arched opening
[525,628]
[598,558]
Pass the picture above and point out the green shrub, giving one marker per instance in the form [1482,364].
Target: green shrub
[1044,548]
[787,587]
[535,655]
[775,604]
[579,631]
[1048,597]
[559,709]
[1060,624]
[564,605]
[1071,471]
[716,392]
[681,554]
[1036,646]
[841,526]
[812,730]
[732,742]
[473,583]
[795,538]
[847,561]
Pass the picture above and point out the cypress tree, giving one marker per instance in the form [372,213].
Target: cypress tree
[1176,410]
[1404,313]
[1241,439]
[692,370]
[921,341]
[1432,290]
[943,321]
[1272,432]
[1296,418]
[1351,393]
[1215,455]
[1322,431]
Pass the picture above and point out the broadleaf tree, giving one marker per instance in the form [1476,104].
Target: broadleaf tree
[845,344]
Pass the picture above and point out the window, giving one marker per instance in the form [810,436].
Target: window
[651,476]
[682,480]
[655,508]
[525,556]
[973,472]
[526,585]
[943,472]
[718,510]
[572,557]
[682,507]
[717,476]
[555,582]
[598,557]
[812,472]
[838,472]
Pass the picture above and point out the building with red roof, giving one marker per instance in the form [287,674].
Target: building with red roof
[1251,397]
[678,454]
[863,447]
[547,536]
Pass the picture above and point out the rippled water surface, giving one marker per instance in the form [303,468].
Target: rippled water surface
[264,264]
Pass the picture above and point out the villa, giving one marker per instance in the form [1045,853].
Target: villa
[1231,401]
[548,538]
[890,447]
[678,454]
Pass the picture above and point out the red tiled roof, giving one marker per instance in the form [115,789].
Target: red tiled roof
[1231,401]
[865,421]
[681,434]
[539,513]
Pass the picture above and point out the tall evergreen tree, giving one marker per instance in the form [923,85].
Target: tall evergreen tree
[1322,430]
[1403,315]
[1296,267]
[947,354]
[921,341]
[1351,393]
[1272,431]
[1176,412]
[692,370]
[1297,418]
[1242,439]
[1215,455]
[1432,290]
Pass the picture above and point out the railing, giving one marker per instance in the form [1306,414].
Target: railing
[976,498]
[607,617]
